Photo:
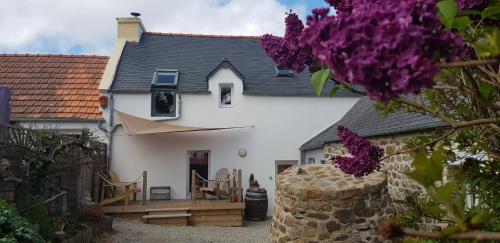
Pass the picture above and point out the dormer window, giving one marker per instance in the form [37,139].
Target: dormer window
[164,94]
[283,71]
[165,77]
[226,95]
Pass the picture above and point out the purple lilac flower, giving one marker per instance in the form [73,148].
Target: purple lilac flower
[387,46]
[365,156]
[471,4]
[341,5]
[286,51]
[390,47]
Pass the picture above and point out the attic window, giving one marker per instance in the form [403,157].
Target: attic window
[165,77]
[283,71]
[226,95]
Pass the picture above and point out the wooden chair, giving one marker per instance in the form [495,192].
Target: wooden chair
[119,190]
[219,187]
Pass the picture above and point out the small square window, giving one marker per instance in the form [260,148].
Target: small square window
[311,161]
[226,95]
[283,71]
[163,103]
[165,78]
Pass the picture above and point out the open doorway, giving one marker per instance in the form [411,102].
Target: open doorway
[282,165]
[198,160]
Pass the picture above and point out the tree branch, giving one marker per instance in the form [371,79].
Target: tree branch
[468,63]
[472,235]
[475,122]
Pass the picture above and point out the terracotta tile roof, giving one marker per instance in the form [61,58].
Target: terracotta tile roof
[60,87]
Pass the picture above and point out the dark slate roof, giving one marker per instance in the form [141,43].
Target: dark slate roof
[365,120]
[196,56]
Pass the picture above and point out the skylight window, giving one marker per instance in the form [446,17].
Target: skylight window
[283,71]
[165,77]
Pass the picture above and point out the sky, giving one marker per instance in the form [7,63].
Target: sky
[89,26]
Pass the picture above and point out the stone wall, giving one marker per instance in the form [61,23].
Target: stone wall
[399,185]
[320,203]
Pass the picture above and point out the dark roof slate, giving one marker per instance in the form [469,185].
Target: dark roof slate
[365,120]
[195,56]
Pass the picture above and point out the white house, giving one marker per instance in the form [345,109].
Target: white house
[208,81]
[54,91]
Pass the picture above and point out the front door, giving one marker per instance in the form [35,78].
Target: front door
[198,161]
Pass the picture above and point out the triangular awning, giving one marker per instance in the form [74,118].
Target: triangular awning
[135,125]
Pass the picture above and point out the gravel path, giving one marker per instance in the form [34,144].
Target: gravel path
[127,230]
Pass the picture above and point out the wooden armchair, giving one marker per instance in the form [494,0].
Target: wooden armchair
[119,190]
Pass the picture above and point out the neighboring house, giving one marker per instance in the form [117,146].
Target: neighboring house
[208,81]
[54,91]
[390,133]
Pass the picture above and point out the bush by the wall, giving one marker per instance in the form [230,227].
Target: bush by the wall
[14,228]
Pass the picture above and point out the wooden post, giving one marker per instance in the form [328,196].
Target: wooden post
[240,188]
[103,190]
[193,185]
[233,187]
[144,187]
[217,190]
[127,194]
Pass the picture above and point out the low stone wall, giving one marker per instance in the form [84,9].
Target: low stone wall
[323,204]
[399,184]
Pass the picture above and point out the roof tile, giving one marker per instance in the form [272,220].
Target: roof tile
[53,86]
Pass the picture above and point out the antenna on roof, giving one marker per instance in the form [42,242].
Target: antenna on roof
[135,14]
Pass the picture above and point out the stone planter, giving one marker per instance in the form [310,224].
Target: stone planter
[323,204]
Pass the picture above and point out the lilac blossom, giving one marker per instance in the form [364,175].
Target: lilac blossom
[286,51]
[471,4]
[365,156]
[389,47]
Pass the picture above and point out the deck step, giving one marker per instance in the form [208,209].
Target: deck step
[180,219]
[166,209]
[156,216]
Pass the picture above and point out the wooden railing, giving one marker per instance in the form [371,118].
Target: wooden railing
[235,189]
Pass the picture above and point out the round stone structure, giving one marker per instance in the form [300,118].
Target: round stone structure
[320,203]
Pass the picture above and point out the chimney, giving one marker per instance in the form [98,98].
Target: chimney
[131,28]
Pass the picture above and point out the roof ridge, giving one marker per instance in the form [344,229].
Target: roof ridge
[205,35]
[51,55]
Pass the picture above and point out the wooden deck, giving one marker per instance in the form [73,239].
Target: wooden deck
[203,212]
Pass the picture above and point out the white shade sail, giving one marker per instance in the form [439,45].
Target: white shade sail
[134,125]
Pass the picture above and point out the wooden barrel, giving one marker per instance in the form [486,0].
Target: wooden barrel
[255,205]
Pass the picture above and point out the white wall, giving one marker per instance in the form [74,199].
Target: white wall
[317,154]
[281,125]
[66,127]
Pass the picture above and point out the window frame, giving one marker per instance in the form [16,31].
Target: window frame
[171,71]
[282,73]
[225,85]
[153,106]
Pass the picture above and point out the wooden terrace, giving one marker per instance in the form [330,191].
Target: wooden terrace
[190,212]
[195,211]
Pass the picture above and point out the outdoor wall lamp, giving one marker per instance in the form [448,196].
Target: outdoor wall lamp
[242,152]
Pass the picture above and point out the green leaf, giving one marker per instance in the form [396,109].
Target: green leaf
[489,44]
[447,11]
[486,90]
[462,23]
[334,90]
[492,12]
[427,170]
[319,79]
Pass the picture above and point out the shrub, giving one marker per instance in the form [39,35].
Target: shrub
[14,228]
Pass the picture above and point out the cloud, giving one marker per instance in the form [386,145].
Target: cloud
[89,26]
